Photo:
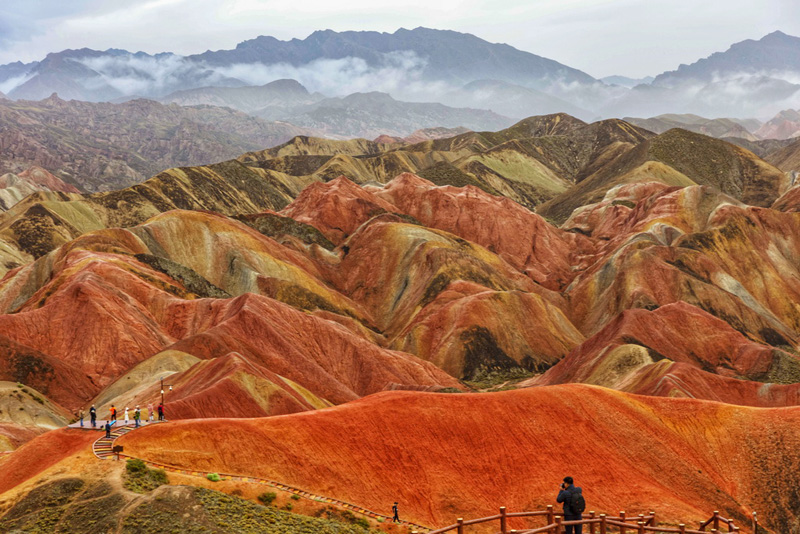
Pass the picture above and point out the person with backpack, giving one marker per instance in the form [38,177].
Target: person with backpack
[93,415]
[137,417]
[113,413]
[574,504]
[396,514]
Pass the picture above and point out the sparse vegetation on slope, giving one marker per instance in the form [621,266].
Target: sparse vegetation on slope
[71,505]
[140,479]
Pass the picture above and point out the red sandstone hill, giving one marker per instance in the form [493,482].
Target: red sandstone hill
[252,304]
[469,281]
[522,238]
[15,187]
[448,455]
[707,359]
[41,453]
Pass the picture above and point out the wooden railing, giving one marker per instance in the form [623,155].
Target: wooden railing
[597,524]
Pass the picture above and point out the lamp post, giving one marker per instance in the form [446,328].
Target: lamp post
[162,393]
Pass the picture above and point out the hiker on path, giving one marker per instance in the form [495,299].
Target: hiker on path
[113,413]
[108,429]
[93,415]
[150,414]
[574,504]
[160,412]
[396,518]
[126,416]
[137,416]
[81,415]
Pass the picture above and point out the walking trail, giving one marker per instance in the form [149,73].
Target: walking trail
[103,449]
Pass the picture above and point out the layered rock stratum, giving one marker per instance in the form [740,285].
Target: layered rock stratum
[315,279]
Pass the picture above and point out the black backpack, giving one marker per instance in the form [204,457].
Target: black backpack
[577,503]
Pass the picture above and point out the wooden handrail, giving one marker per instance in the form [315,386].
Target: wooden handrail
[529,514]
[627,524]
[655,529]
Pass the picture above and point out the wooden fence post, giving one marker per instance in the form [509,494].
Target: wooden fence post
[460,522]
[550,516]
[622,530]
[755,523]
[558,528]
[641,526]
[652,518]
[603,526]
[716,520]
[591,525]
[503,520]
[682,528]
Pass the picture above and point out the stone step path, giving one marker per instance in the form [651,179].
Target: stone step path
[102,449]
[103,446]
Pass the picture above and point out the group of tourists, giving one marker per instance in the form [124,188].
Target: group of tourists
[113,413]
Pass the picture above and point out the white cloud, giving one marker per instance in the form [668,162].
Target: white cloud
[146,76]
[8,85]
[400,74]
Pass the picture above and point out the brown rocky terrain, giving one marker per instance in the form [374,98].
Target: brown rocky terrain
[104,146]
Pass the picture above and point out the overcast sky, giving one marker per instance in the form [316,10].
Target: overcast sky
[601,37]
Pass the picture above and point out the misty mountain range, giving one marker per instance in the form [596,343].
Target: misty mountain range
[751,79]
[366,115]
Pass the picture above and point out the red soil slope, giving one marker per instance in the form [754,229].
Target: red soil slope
[448,455]
[683,332]
[466,323]
[39,176]
[42,453]
[14,435]
[336,208]
[102,314]
[231,386]
[61,382]
[679,350]
[517,235]
[682,380]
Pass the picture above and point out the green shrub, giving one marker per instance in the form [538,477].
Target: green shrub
[295,497]
[267,498]
[135,466]
[213,477]
[361,522]
[140,479]
[288,507]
